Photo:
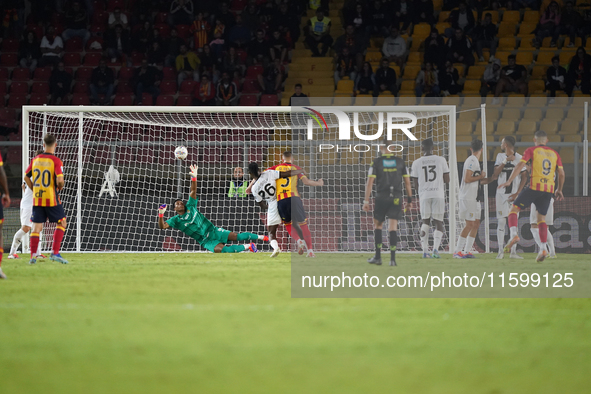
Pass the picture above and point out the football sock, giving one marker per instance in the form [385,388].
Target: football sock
[512,219]
[437,237]
[460,245]
[377,235]
[543,232]
[501,232]
[1,253]
[234,248]
[34,240]
[16,241]
[469,243]
[247,236]
[58,235]
[536,233]
[393,242]
[274,244]
[425,237]
[294,235]
[307,235]
[550,241]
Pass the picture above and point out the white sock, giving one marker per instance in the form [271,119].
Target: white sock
[437,236]
[469,243]
[261,237]
[274,244]
[16,241]
[425,237]
[513,231]
[536,233]
[544,246]
[501,232]
[460,245]
[551,248]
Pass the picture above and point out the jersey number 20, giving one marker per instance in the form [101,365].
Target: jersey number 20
[44,176]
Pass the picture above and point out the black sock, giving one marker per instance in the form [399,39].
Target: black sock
[393,243]
[377,233]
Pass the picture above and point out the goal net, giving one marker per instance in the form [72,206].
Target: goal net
[119,166]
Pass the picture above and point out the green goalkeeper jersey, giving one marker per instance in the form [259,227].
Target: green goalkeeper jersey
[192,222]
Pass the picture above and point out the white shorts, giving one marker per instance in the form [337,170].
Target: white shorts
[470,210]
[273,218]
[503,205]
[26,213]
[432,208]
[533,214]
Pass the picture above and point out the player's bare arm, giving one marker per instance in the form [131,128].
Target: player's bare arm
[193,173]
[308,182]
[495,175]
[523,175]
[516,171]
[263,204]
[250,185]
[446,177]
[561,177]
[4,185]
[469,177]
[368,187]
[162,225]
[287,174]
[408,191]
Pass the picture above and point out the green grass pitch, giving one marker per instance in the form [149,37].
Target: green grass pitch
[204,323]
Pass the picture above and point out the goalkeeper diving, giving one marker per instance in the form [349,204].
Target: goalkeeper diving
[190,221]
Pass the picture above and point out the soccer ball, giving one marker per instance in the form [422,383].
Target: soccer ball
[181,152]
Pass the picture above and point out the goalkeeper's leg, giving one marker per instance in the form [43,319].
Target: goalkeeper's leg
[246,237]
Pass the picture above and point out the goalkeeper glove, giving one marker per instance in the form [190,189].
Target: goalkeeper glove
[193,172]
[161,210]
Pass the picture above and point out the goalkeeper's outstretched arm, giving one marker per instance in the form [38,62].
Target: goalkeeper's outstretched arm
[193,173]
[162,225]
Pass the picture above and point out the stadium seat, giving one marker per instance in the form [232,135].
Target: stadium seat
[524,58]
[92,47]
[511,114]
[345,86]
[124,87]
[71,59]
[536,86]
[363,100]
[469,116]
[74,45]
[3,91]
[252,72]
[421,31]
[248,100]
[511,17]
[84,73]
[578,42]
[408,87]
[81,87]
[21,74]
[573,138]
[505,127]
[566,56]
[549,126]
[411,72]
[80,99]
[168,87]
[233,156]
[7,117]
[530,16]
[123,100]
[126,73]
[165,100]
[472,86]
[184,101]
[570,126]
[506,30]
[444,16]
[545,58]
[41,74]
[532,113]
[539,72]
[568,155]
[10,45]
[556,114]
[464,128]
[8,59]
[40,88]
[407,99]
[575,114]
[527,127]
[490,128]
[92,59]
[21,88]
[503,57]
[415,58]
[251,86]
[506,43]
[136,58]
[475,72]
[342,101]
[38,99]
[269,100]
[188,86]
[168,74]
[17,101]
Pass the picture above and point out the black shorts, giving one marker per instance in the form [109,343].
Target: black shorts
[390,207]
[42,214]
[529,196]
[291,209]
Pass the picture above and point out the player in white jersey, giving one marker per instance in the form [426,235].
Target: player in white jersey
[504,165]
[430,173]
[26,211]
[264,191]
[469,206]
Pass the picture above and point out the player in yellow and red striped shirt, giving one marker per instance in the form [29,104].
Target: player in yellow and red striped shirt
[5,203]
[45,177]
[545,163]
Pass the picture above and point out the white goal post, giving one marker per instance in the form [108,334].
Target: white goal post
[119,165]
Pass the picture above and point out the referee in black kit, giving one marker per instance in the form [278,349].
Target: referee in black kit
[389,171]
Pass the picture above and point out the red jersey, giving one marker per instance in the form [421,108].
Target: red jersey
[44,171]
[544,163]
[287,187]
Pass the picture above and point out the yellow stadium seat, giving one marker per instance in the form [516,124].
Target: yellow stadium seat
[527,127]
[342,101]
[421,31]
[437,5]
[511,17]
[531,16]
[556,114]
[441,26]
[524,58]
[463,138]
[408,86]
[511,114]
[469,116]
[506,30]
[545,58]
[490,128]
[373,57]
[532,114]
[345,86]
[349,157]
[578,42]
[549,126]
[493,14]
[471,86]
[363,100]
[526,45]
[452,100]
[575,114]
[416,44]
[568,155]
[552,137]
[415,58]
[503,57]
[506,43]
[536,86]
[462,153]
[539,72]
[464,128]
[505,127]
[526,29]
[566,56]
[411,72]
[384,99]
[443,16]
[475,72]
[407,99]
[573,138]
[492,114]
[559,102]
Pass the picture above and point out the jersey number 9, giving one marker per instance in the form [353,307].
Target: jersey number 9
[546,166]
